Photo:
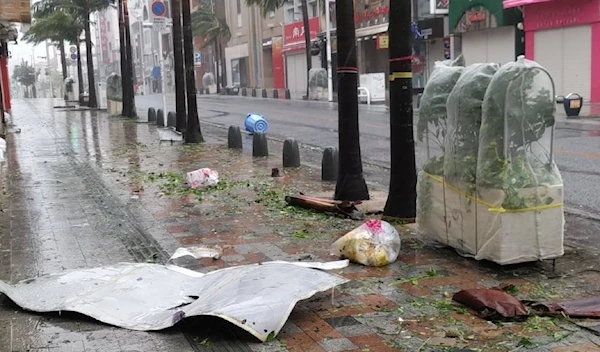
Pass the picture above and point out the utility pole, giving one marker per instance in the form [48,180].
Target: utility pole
[402,196]
[328,49]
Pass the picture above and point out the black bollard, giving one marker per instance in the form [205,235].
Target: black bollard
[264,93]
[244,92]
[330,164]
[201,91]
[160,118]
[275,93]
[260,148]
[151,115]
[291,153]
[234,138]
[171,119]
[253,92]
[288,95]
[206,91]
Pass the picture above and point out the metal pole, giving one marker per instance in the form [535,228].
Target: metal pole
[142,39]
[328,49]
[162,71]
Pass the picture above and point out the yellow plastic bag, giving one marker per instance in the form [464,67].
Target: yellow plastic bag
[374,243]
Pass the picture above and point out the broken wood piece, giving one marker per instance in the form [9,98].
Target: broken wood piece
[344,208]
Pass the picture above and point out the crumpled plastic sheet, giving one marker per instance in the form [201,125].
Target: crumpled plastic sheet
[257,298]
[580,308]
[490,302]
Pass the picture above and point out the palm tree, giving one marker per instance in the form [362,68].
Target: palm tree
[57,27]
[402,197]
[126,61]
[178,65]
[81,11]
[192,134]
[273,5]
[215,31]
[351,184]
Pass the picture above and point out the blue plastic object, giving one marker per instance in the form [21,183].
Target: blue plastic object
[256,123]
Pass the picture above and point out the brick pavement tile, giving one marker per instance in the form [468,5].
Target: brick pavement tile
[416,290]
[582,347]
[295,339]
[378,302]
[337,344]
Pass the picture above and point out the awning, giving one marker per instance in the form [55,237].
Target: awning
[372,30]
[507,4]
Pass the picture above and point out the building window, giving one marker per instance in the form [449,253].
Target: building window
[290,15]
[312,9]
[239,13]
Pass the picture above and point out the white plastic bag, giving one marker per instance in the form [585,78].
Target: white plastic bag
[202,178]
[374,243]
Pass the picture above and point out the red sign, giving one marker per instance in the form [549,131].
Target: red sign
[560,14]
[278,74]
[294,34]
[371,14]
[476,16]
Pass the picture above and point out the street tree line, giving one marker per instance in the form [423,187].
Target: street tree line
[65,20]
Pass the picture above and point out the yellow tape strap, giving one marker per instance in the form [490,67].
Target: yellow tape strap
[491,207]
[400,75]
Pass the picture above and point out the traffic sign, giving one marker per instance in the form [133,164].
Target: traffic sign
[73,57]
[73,49]
[161,24]
[158,8]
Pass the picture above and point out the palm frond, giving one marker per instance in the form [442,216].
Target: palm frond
[207,24]
[266,6]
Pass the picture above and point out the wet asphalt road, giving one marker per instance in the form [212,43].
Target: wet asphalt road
[314,124]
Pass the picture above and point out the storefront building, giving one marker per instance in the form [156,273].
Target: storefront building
[488,32]
[564,37]
[294,51]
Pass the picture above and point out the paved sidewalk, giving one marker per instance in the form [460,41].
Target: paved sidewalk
[85,190]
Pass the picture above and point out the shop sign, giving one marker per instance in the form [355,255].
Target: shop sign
[372,14]
[475,19]
[561,14]
[294,32]
[383,41]
[431,28]
[439,7]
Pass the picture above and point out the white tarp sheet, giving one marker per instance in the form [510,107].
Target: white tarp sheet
[258,298]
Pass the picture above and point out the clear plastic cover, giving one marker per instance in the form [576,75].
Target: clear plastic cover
[461,147]
[431,130]
[519,188]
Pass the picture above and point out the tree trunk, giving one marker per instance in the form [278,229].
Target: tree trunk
[93,99]
[63,64]
[402,197]
[126,111]
[351,184]
[79,70]
[222,64]
[305,22]
[129,62]
[192,132]
[33,91]
[178,66]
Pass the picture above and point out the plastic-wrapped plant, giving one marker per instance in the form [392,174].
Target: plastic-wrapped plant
[464,120]
[515,135]
[432,112]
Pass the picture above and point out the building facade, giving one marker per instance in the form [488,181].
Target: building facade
[564,37]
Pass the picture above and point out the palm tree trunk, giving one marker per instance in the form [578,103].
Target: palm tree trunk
[93,99]
[126,110]
[79,70]
[178,66]
[128,81]
[222,64]
[192,132]
[304,6]
[402,197]
[63,64]
[351,184]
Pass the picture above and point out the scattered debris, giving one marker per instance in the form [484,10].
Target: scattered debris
[275,172]
[345,208]
[374,243]
[491,302]
[580,308]
[154,297]
[202,178]
[199,252]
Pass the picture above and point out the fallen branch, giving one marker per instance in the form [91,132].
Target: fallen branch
[345,208]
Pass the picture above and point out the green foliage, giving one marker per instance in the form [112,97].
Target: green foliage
[54,26]
[206,23]
[318,77]
[464,120]
[114,85]
[517,111]
[266,6]
[25,74]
